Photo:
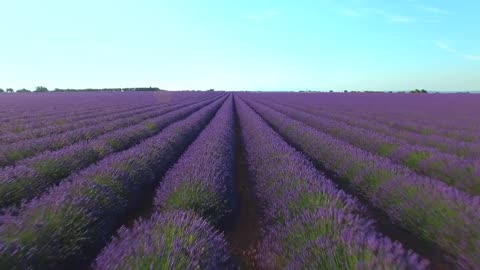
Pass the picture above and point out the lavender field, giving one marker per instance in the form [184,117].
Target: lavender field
[244,180]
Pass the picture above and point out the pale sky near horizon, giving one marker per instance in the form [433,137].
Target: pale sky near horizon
[237,45]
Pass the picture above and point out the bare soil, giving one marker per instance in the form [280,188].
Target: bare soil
[243,230]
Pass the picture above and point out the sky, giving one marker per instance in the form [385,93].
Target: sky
[241,45]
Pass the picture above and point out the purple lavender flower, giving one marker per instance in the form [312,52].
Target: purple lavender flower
[443,215]
[302,205]
[12,153]
[78,216]
[202,179]
[172,240]
[33,176]
[424,160]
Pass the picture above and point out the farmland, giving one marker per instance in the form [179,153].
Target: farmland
[219,180]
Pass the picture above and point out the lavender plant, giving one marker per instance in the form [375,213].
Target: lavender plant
[429,208]
[12,153]
[74,219]
[103,115]
[200,183]
[302,205]
[202,179]
[33,176]
[464,174]
[173,240]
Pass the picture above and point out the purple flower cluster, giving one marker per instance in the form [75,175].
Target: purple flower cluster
[429,208]
[18,125]
[200,182]
[202,179]
[75,219]
[23,113]
[364,252]
[334,239]
[27,112]
[173,240]
[61,124]
[464,174]
[443,143]
[31,177]
[301,205]
[441,122]
[402,116]
[98,116]
[12,153]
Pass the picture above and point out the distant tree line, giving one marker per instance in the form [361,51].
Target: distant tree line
[23,90]
[346,91]
[416,91]
[8,90]
[109,89]
[43,89]
[208,90]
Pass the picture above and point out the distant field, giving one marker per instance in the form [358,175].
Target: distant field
[219,180]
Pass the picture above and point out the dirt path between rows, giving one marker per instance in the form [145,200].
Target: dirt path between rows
[244,229]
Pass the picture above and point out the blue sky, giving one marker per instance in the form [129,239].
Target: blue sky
[235,45]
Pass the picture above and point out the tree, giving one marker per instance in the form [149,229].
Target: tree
[9,90]
[1,90]
[41,89]
[418,91]
[23,90]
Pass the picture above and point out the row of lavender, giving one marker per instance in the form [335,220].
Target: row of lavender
[14,152]
[15,125]
[299,201]
[23,111]
[58,109]
[28,107]
[33,176]
[97,117]
[426,207]
[464,174]
[468,149]
[452,116]
[61,124]
[194,196]
[10,127]
[310,224]
[443,143]
[70,223]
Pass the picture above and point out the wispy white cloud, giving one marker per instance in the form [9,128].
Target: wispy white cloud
[350,12]
[399,19]
[444,46]
[262,16]
[393,18]
[472,57]
[434,10]
[374,12]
